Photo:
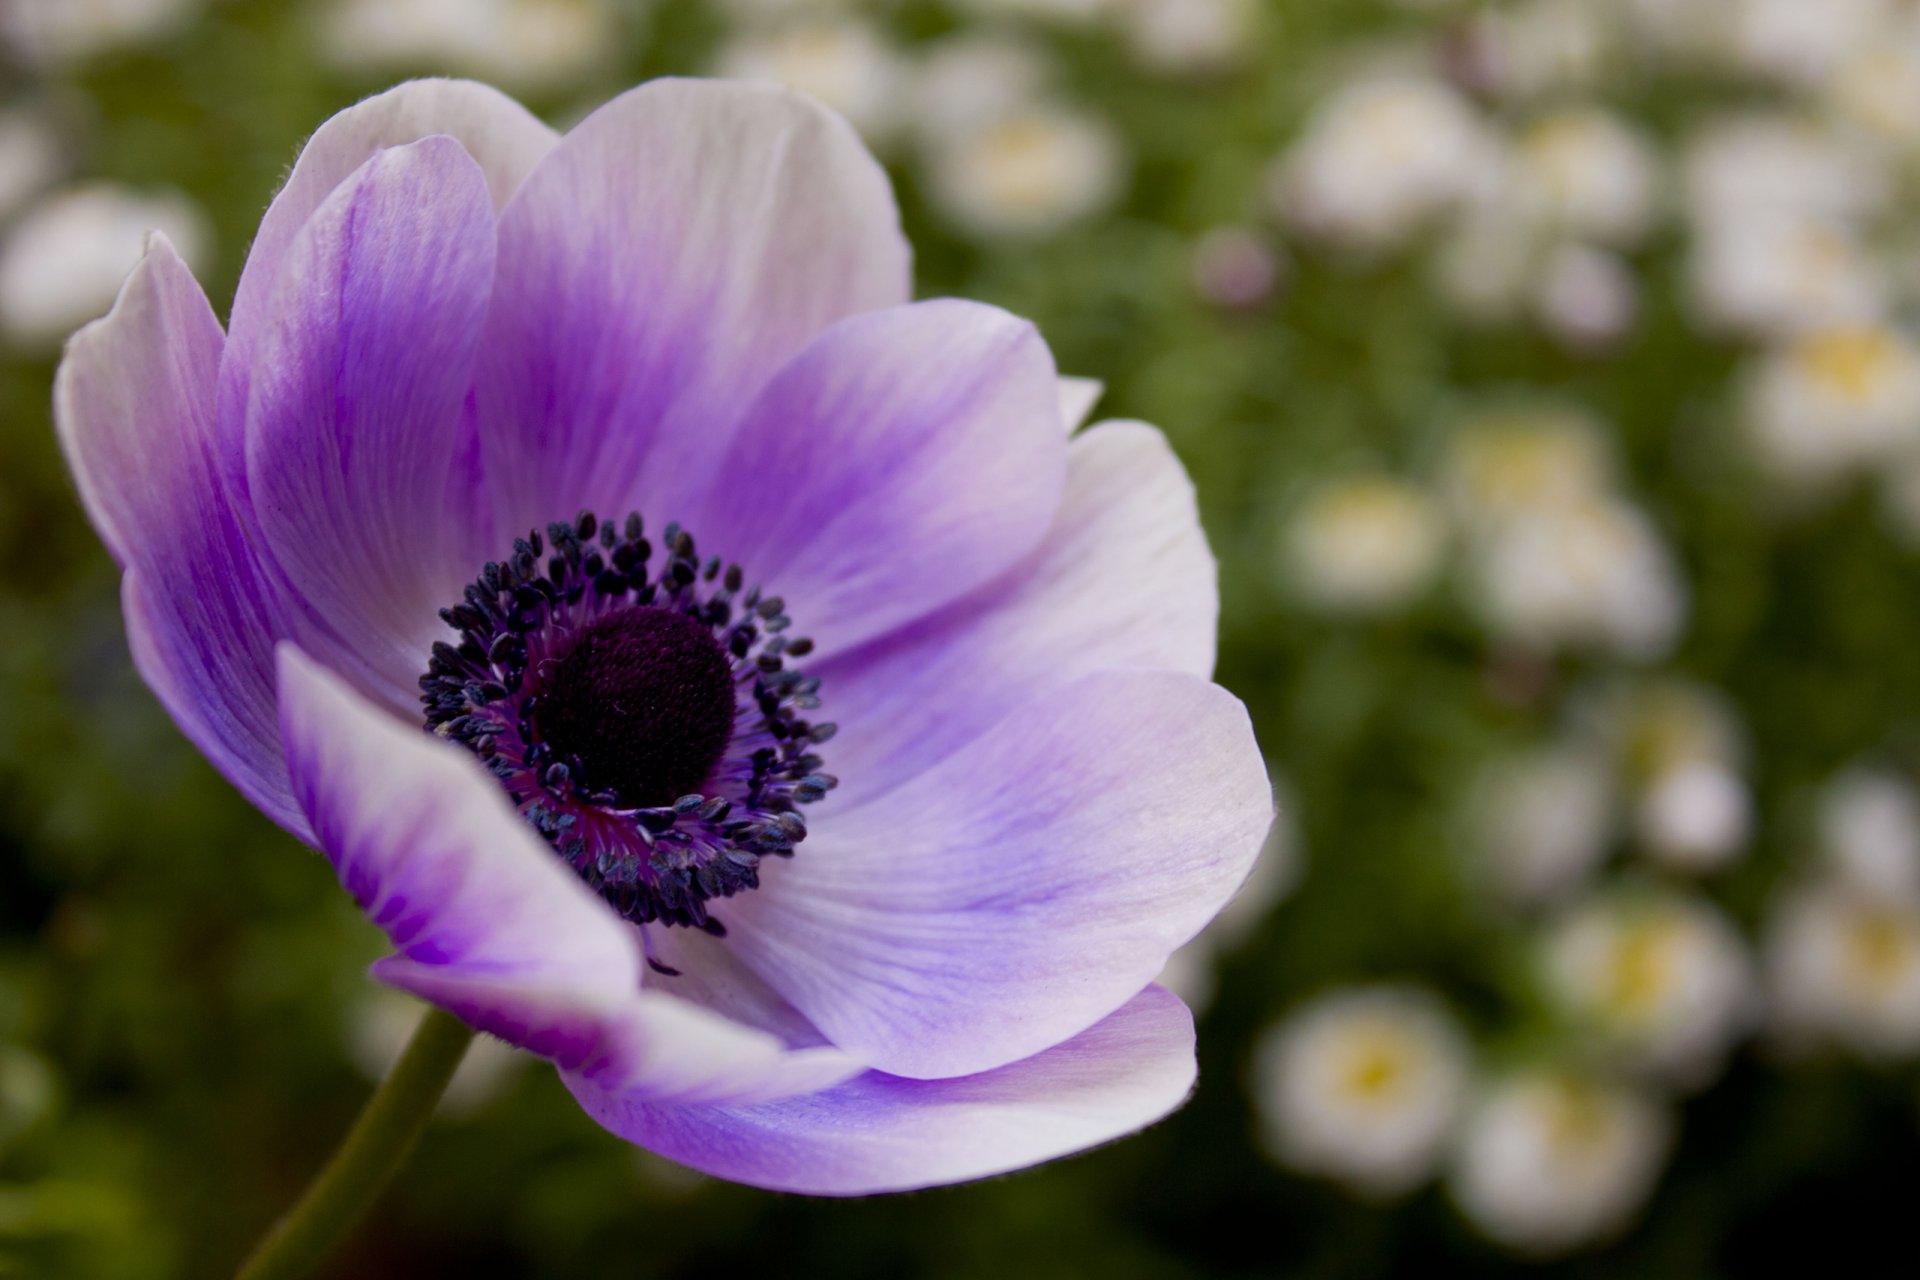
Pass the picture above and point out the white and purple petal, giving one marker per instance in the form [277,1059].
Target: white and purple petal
[879,1133]
[1027,887]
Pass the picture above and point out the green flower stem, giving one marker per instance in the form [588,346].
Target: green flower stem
[375,1147]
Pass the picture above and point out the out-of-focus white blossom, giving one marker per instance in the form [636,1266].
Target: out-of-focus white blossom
[63,261]
[1800,43]
[1834,400]
[1363,1086]
[1870,832]
[1505,465]
[1586,298]
[1877,90]
[1844,968]
[1543,821]
[29,159]
[1066,11]
[1696,816]
[1590,574]
[1190,37]
[1031,172]
[1664,981]
[1589,173]
[1380,158]
[1365,545]
[1236,268]
[1763,166]
[518,42]
[53,31]
[1778,276]
[967,81]
[1538,47]
[1548,1163]
[845,63]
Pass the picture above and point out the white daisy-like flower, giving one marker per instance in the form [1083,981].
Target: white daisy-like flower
[1190,37]
[527,43]
[1365,545]
[964,82]
[1776,276]
[1548,1163]
[1539,47]
[1543,821]
[1027,173]
[1759,165]
[1870,832]
[1591,574]
[1380,158]
[1363,1086]
[843,62]
[1664,981]
[1695,816]
[63,261]
[1503,465]
[1799,43]
[1587,172]
[54,31]
[1844,968]
[1834,400]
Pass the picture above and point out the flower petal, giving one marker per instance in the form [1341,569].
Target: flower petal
[133,404]
[356,405]
[1122,579]
[1026,888]
[502,136]
[493,927]
[1077,398]
[679,246]
[904,458]
[881,1133]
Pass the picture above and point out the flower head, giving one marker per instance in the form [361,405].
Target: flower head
[716,674]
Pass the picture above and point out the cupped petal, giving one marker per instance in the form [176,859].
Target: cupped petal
[134,407]
[502,136]
[904,458]
[679,246]
[1023,890]
[356,406]
[1123,579]
[880,1133]
[491,926]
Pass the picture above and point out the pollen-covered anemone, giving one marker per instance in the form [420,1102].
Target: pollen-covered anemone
[716,673]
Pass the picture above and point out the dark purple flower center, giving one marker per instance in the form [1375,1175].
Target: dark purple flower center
[647,724]
[643,697]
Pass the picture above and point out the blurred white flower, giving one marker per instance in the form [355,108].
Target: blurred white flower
[1878,88]
[1870,832]
[1778,276]
[1800,43]
[843,62]
[1834,400]
[377,1030]
[1587,172]
[1027,173]
[1363,1086]
[52,31]
[1488,260]
[1364,545]
[63,261]
[1052,10]
[527,43]
[1236,268]
[1544,46]
[1380,158]
[1543,821]
[1586,298]
[1516,463]
[29,158]
[1696,816]
[964,82]
[1189,37]
[1593,573]
[1765,166]
[1844,968]
[1548,1163]
[1664,981]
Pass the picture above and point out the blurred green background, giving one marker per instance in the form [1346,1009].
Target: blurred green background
[1544,372]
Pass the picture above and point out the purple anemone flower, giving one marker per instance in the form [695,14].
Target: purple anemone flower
[715,672]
